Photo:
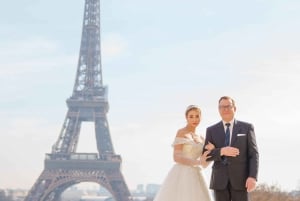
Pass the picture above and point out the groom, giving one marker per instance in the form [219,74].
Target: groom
[235,168]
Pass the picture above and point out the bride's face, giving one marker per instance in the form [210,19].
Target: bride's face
[193,118]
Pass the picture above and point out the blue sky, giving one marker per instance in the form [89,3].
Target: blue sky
[157,58]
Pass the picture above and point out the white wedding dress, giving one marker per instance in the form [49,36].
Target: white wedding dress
[183,182]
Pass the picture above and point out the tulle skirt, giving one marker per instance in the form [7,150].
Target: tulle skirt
[184,183]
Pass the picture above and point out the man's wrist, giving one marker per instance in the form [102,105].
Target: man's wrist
[221,152]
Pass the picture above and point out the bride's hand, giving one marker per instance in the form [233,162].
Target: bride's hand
[203,159]
[209,146]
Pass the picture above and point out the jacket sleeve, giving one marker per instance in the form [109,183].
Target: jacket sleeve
[215,153]
[253,156]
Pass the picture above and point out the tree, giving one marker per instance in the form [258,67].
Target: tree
[272,193]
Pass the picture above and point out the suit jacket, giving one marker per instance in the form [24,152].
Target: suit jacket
[236,169]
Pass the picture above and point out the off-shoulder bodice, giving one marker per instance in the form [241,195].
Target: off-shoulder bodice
[185,182]
[191,149]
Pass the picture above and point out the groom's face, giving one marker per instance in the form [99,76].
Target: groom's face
[227,109]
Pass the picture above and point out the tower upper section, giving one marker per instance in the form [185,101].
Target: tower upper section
[88,81]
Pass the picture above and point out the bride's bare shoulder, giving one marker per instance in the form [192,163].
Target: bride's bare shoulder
[182,132]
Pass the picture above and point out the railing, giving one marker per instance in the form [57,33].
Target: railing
[82,160]
[83,156]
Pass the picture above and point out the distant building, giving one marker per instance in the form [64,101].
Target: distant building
[75,193]
[95,198]
[295,193]
[140,189]
[152,189]
[15,194]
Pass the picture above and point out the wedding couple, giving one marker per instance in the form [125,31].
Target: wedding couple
[230,144]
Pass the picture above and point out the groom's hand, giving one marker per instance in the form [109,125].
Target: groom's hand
[230,151]
[250,184]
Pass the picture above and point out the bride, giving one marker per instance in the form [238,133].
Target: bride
[185,180]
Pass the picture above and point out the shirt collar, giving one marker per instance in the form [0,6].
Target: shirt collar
[231,123]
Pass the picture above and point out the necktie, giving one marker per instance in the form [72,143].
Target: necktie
[227,134]
[227,140]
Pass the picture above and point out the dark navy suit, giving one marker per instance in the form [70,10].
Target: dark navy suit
[232,172]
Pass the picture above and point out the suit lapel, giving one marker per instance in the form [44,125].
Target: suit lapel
[220,134]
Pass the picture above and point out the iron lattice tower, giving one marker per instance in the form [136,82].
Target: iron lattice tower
[64,167]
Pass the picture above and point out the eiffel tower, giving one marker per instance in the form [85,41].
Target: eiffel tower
[64,167]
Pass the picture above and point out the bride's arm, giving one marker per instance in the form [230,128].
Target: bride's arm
[203,159]
[179,158]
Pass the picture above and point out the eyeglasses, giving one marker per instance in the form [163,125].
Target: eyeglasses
[223,107]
